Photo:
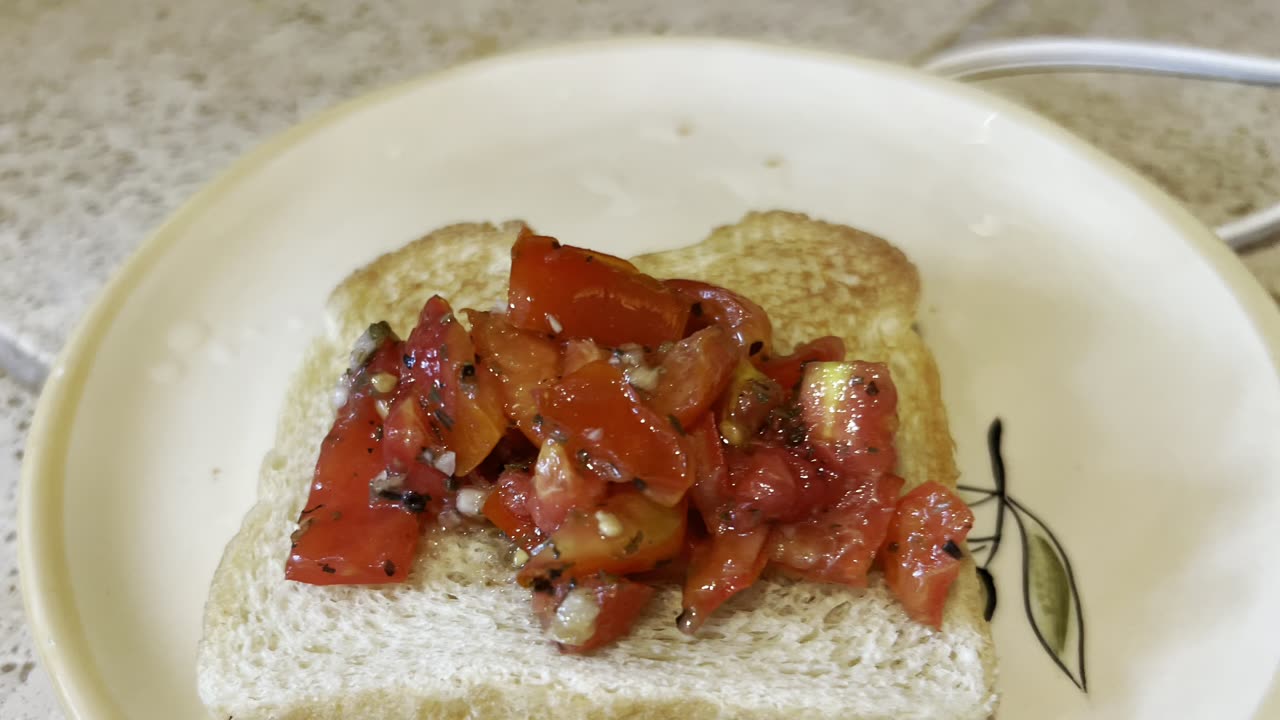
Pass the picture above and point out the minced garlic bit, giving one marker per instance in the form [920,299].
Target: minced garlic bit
[643,377]
[593,434]
[450,519]
[383,407]
[610,525]
[471,501]
[447,463]
[556,327]
[341,392]
[383,382]
[575,620]
[519,558]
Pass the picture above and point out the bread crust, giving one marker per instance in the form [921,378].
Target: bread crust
[799,270]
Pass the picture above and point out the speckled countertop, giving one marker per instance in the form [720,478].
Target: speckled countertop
[113,112]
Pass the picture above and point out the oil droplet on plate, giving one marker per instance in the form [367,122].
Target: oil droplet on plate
[218,353]
[987,226]
[164,373]
[185,337]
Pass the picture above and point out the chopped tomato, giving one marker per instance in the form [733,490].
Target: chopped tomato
[416,480]
[514,449]
[592,614]
[614,434]
[710,472]
[922,550]
[522,361]
[628,533]
[789,369]
[772,484]
[594,417]
[559,486]
[721,566]
[839,544]
[507,508]
[851,411]
[693,374]
[747,402]
[747,323]
[445,403]
[579,352]
[576,293]
[343,538]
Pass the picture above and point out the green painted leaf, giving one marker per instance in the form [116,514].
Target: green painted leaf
[1050,595]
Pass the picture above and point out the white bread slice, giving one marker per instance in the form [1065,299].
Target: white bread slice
[459,641]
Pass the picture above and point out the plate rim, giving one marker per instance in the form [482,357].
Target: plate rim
[43,576]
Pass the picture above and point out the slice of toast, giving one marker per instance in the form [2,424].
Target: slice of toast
[459,639]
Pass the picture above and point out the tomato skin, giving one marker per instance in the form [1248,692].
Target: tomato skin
[445,402]
[839,544]
[342,537]
[788,370]
[707,463]
[720,567]
[918,566]
[746,403]
[507,508]
[589,295]
[646,534]
[559,485]
[851,411]
[693,374]
[614,434]
[767,483]
[746,322]
[522,361]
[620,603]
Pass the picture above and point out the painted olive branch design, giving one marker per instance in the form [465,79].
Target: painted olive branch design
[1050,595]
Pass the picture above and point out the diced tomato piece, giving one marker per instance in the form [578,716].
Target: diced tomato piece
[575,293]
[747,402]
[523,361]
[614,434]
[592,614]
[693,374]
[579,352]
[514,449]
[922,550]
[628,533]
[343,537]
[851,410]
[747,323]
[710,472]
[721,566]
[403,432]
[559,485]
[762,487]
[507,508]
[773,484]
[445,402]
[789,369]
[838,545]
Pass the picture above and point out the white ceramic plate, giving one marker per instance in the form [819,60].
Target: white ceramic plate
[1131,357]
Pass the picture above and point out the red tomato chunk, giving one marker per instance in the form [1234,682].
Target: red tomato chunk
[623,432]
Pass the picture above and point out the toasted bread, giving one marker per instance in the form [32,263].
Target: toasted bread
[458,639]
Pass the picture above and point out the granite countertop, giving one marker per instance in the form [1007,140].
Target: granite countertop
[114,112]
